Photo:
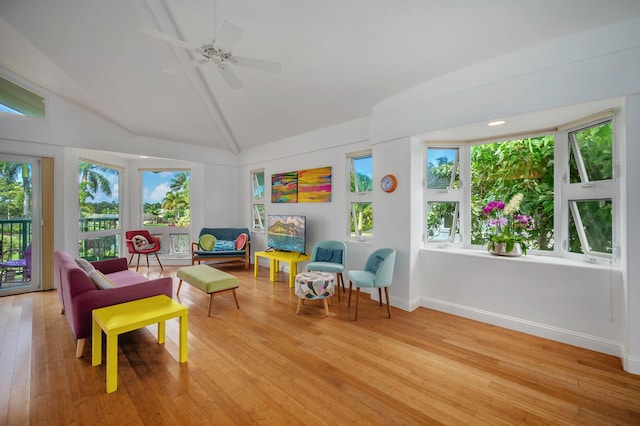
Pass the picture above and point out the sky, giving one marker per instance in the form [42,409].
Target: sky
[154,187]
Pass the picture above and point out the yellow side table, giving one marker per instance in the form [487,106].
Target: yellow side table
[129,316]
[275,257]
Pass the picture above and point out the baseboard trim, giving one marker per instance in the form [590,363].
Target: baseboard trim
[536,329]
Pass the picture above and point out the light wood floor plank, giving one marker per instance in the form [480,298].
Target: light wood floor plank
[263,364]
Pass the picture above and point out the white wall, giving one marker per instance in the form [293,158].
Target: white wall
[570,302]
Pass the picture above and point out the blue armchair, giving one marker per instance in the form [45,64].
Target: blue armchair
[377,273]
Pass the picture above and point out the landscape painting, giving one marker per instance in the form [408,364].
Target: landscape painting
[284,187]
[314,185]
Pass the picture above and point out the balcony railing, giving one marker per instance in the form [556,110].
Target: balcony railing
[175,240]
[15,234]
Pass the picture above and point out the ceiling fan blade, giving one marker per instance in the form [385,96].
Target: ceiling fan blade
[230,76]
[228,35]
[167,38]
[257,64]
[185,66]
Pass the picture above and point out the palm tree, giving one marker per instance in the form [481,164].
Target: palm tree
[179,183]
[92,180]
[10,173]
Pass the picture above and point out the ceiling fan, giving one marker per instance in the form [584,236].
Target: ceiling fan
[218,52]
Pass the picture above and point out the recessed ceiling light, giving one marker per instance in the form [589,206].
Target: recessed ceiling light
[144,156]
[497,123]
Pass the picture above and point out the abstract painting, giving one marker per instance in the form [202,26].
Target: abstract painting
[284,187]
[314,185]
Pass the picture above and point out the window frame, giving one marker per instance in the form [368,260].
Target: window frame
[356,197]
[564,191]
[257,201]
[588,190]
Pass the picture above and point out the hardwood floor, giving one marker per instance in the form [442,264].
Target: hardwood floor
[262,364]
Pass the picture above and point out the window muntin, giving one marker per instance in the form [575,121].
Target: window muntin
[257,200]
[360,195]
[98,192]
[18,100]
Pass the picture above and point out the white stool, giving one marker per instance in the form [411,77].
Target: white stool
[314,286]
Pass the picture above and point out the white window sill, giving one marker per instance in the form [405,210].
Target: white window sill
[528,258]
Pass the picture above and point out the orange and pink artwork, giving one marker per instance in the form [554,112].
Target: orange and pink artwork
[314,185]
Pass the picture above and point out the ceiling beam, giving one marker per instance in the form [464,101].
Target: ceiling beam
[167,25]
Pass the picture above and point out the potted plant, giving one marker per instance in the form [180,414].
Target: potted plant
[506,228]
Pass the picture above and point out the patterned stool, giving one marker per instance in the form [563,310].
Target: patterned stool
[314,286]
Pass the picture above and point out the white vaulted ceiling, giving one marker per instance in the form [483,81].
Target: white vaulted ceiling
[339,57]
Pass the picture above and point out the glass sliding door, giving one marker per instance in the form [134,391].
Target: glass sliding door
[19,224]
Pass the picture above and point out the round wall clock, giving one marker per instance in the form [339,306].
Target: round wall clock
[388,183]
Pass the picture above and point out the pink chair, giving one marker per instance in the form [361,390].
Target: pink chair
[142,242]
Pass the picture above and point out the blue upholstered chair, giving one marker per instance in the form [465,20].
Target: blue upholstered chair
[329,256]
[377,273]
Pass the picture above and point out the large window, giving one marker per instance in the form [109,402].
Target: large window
[565,178]
[98,187]
[166,209]
[257,199]
[360,195]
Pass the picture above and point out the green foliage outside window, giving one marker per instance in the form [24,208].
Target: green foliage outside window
[501,170]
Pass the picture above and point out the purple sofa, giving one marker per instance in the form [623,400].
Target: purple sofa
[79,295]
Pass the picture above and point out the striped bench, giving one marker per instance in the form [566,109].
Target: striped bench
[210,280]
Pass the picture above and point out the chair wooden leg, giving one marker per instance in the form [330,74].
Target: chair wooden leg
[158,259]
[80,347]
[210,304]
[350,286]
[131,258]
[138,262]
[326,306]
[235,297]
[357,300]
[147,256]
[386,294]
[179,285]
[380,295]
[338,284]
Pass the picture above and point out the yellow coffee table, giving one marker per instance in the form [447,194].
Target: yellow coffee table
[129,316]
[275,257]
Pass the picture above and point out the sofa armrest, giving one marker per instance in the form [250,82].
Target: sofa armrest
[86,302]
[109,266]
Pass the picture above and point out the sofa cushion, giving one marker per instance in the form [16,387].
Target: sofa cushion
[328,255]
[100,280]
[126,278]
[224,245]
[207,242]
[241,241]
[141,243]
[84,264]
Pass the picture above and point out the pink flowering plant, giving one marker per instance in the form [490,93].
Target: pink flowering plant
[505,224]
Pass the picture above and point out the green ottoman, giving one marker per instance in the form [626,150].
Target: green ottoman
[210,280]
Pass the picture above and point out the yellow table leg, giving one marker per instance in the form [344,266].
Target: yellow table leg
[184,349]
[255,265]
[161,331]
[274,266]
[96,344]
[112,363]
[293,271]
